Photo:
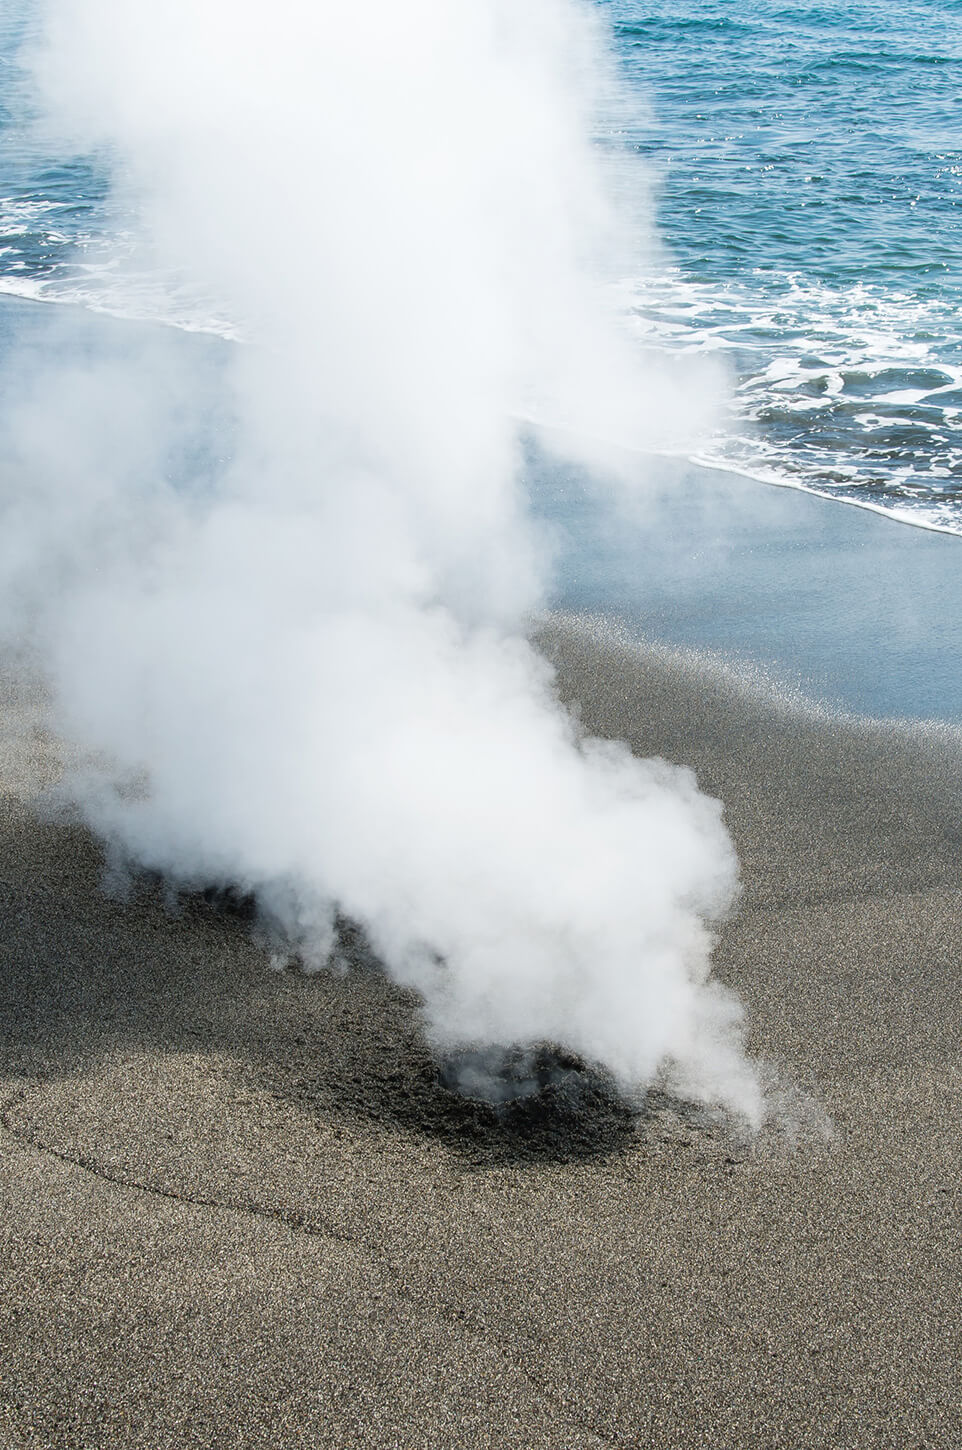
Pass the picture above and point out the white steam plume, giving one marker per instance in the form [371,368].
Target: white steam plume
[304,645]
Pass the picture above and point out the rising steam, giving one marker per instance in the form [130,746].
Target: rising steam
[280,589]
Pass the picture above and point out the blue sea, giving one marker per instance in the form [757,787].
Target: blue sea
[807,166]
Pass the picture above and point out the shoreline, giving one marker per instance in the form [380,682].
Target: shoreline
[717,466]
[768,574]
[224,333]
[831,603]
[235,1202]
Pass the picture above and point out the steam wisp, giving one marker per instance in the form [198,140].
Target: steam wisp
[280,590]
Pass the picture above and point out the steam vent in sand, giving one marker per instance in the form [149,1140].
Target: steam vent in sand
[480,866]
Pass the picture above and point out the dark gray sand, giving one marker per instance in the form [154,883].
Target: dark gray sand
[239,1208]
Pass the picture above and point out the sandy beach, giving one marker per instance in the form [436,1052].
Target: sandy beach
[349,358]
[239,1207]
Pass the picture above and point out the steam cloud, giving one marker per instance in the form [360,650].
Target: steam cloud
[280,590]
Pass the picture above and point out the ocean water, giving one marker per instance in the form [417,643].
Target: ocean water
[807,166]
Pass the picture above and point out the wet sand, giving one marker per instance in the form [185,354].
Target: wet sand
[833,599]
[240,1208]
